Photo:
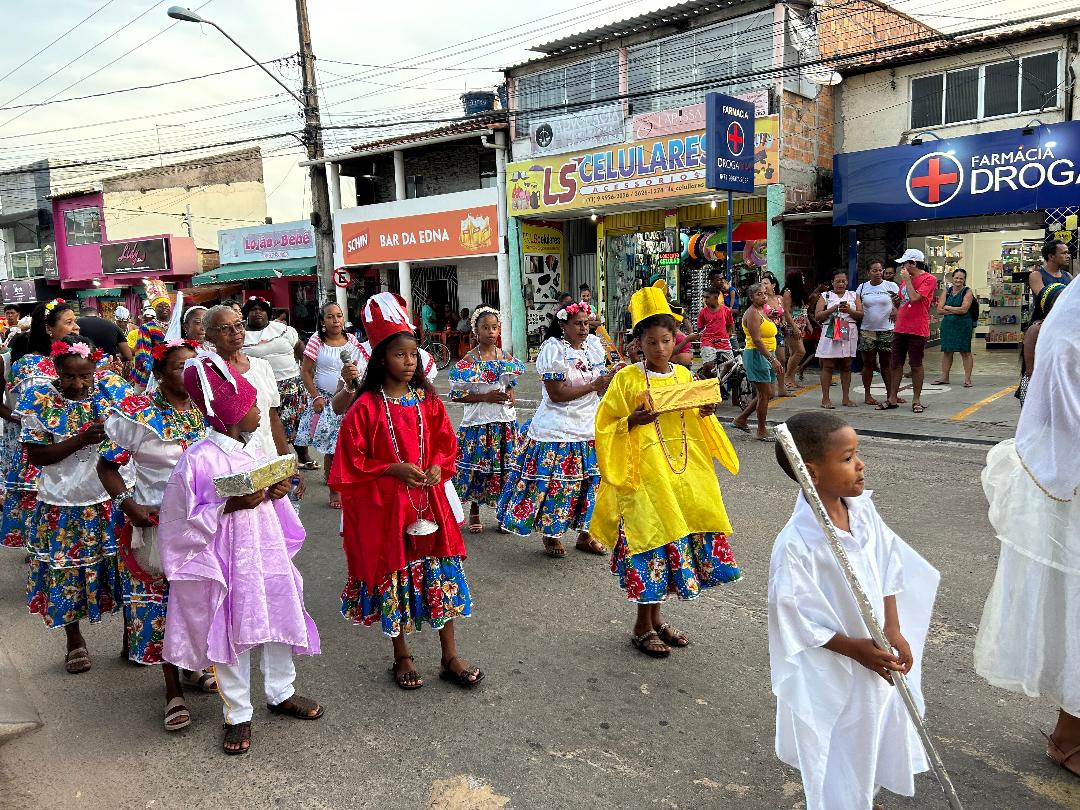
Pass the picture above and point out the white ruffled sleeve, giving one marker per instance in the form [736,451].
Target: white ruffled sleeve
[124,433]
[594,350]
[551,363]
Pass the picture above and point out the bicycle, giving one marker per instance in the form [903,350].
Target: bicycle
[732,376]
[438,350]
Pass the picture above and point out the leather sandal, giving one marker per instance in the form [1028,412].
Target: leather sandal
[296,706]
[467,677]
[651,644]
[237,735]
[77,661]
[1060,757]
[409,679]
[672,636]
[177,715]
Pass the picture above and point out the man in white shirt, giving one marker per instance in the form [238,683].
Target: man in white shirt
[875,338]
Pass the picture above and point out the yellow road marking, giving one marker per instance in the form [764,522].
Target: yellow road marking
[970,409]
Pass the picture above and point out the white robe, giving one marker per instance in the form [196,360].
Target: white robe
[843,726]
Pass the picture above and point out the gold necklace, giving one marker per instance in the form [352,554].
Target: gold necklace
[660,434]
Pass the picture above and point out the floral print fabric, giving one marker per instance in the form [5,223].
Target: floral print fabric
[73,574]
[19,505]
[681,568]
[551,488]
[292,406]
[485,454]
[431,589]
[319,430]
[145,601]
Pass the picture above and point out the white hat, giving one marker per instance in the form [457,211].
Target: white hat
[121,314]
[912,255]
[149,312]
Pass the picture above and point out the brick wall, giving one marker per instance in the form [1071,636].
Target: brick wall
[446,168]
[850,26]
[799,250]
[806,128]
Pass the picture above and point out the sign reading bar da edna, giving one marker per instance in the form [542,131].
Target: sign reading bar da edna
[454,234]
[138,256]
[993,173]
[652,169]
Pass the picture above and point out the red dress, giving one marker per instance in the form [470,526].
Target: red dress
[376,507]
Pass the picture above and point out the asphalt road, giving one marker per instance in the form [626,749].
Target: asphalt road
[569,715]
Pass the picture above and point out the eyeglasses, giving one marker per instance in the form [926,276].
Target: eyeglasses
[232,328]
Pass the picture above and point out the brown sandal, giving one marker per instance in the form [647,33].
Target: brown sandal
[296,706]
[77,661]
[590,545]
[237,735]
[1059,757]
[672,636]
[409,679]
[468,677]
[553,547]
[651,644]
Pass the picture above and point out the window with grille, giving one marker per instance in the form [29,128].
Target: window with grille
[544,93]
[1024,85]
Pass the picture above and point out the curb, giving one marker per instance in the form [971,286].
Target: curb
[17,712]
[977,441]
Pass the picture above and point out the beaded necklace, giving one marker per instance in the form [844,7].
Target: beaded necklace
[411,394]
[660,434]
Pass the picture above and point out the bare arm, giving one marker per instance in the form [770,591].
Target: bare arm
[42,455]
[941,302]
[1035,282]
[138,514]
[1031,337]
[307,376]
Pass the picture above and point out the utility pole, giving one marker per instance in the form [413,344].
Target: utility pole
[320,191]
[187,220]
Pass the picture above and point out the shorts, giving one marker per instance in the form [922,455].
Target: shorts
[718,356]
[871,341]
[911,346]
[758,368]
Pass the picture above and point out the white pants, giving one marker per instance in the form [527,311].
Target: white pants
[234,682]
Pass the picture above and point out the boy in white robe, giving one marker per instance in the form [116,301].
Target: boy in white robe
[839,719]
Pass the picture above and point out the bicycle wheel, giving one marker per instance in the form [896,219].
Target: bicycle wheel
[440,353]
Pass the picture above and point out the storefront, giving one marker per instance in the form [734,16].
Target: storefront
[105,274]
[274,261]
[645,213]
[984,203]
[448,244]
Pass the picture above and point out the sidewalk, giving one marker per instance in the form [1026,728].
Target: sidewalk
[984,414]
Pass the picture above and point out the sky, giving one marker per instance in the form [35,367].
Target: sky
[375,67]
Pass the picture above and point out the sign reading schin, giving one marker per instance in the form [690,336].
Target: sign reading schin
[994,173]
[729,143]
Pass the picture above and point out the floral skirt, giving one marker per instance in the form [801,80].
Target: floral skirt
[146,598]
[73,573]
[292,406]
[551,488]
[9,447]
[485,454]
[432,590]
[319,430]
[682,568]
[19,505]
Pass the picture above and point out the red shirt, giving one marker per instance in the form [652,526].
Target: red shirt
[913,318]
[715,326]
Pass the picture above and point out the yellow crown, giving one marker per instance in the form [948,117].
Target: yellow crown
[647,302]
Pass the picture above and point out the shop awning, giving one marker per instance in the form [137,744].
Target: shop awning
[104,292]
[250,271]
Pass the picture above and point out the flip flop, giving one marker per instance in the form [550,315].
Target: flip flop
[743,428]
[886,406]
[969,385]
[829,407]
[918,407]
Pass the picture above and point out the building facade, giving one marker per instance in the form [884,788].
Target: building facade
[973,141]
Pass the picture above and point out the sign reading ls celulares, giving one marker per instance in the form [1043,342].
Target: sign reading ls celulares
[993,173]
[729,143]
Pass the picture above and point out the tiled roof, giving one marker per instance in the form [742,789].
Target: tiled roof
[477,123]
[955,43]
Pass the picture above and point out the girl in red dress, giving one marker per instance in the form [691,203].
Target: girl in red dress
[394,469]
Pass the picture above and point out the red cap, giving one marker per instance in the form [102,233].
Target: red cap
[384,316]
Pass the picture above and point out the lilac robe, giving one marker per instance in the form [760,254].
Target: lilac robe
[232,583]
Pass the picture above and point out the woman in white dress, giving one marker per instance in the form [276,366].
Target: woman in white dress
[551,486]
[1028,640]
[838,312]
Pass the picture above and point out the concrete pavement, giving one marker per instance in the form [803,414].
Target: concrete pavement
[570,715]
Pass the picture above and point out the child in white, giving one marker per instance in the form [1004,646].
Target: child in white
[839,719]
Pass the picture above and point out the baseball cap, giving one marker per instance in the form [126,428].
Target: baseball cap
[912,255]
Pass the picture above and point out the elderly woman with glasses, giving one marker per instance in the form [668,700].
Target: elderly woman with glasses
[225,331]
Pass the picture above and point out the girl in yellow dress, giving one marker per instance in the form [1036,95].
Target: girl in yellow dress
[659,507]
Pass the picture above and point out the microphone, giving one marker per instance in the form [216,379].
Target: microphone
[346,357]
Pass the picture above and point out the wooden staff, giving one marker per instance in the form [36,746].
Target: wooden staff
[787,444]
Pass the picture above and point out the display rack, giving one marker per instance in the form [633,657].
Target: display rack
[1017,259]
[1006,311]
[944,254]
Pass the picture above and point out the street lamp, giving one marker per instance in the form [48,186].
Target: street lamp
[187,15]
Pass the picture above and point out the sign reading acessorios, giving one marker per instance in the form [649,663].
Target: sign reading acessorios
[992,173]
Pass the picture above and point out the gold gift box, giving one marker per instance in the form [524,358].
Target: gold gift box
[681,396]
[261,477]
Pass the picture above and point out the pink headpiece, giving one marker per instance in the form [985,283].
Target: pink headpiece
[223,396]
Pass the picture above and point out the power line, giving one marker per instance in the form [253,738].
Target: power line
[40,51]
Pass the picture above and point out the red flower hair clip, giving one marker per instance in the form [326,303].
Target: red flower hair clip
[60,348]
[161,349]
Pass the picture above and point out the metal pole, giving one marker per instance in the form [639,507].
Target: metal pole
[730,259]
[787,444]
[320,192]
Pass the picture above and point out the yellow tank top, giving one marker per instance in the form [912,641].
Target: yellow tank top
[768,335]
